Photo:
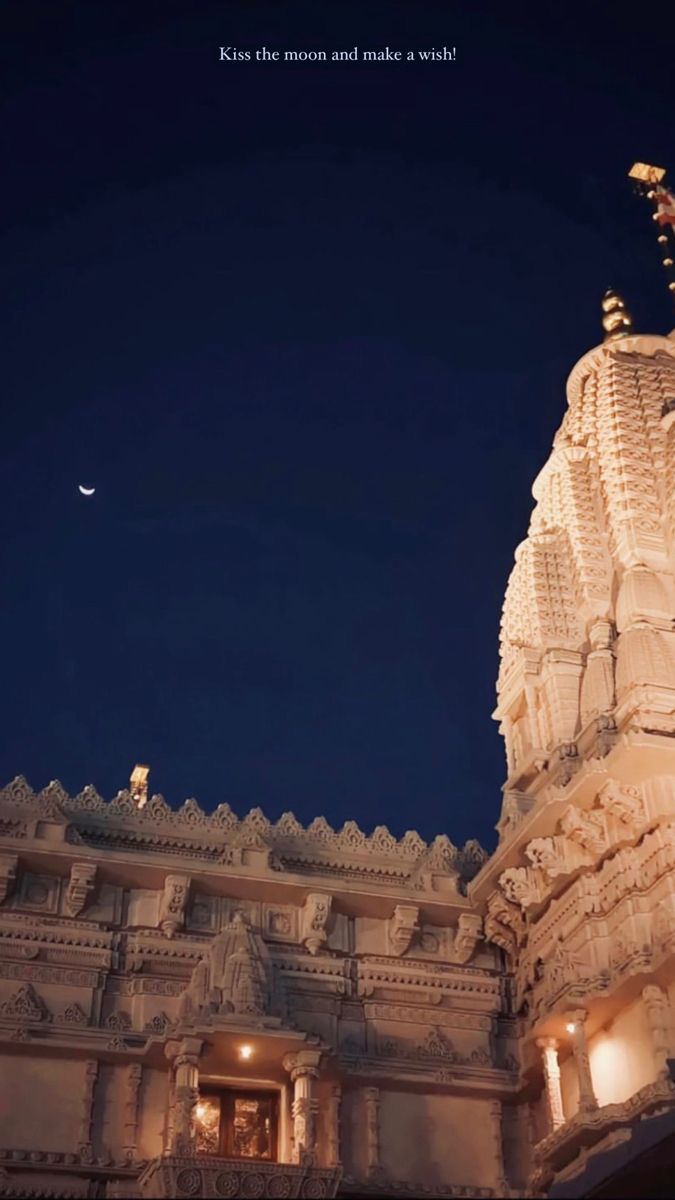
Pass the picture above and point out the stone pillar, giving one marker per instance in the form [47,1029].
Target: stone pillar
[184,1056]
[657,1007]
[496,1114]
[549,1053]
[303,1068]
[587,1100]
[372,1098]
[85,1148]
[333,1122]
[133,1083]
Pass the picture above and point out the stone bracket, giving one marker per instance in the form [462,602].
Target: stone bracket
[402,928]
[469,930]
[314,921]
[81,884]
[173,903]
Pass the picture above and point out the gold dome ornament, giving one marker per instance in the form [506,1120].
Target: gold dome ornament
[616,320]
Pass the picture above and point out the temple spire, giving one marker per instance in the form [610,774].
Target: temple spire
[616,320]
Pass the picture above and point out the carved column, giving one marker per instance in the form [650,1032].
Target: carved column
[658,1012]
[85,1148]
[169,1124]
[372,1098]
[184,1056]
[587,1099]
[303,1069]
[549,1053]
[133,1083]
[333,1122]
[496,1114]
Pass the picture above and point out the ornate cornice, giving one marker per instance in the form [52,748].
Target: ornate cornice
[189,831]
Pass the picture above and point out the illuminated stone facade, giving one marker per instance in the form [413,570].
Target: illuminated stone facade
[580,893]
[197,1004]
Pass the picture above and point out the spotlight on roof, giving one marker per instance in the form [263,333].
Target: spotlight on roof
[138,784]
[644,173]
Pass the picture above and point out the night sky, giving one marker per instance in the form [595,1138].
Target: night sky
[306,328]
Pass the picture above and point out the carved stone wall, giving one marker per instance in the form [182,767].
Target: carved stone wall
[348,967]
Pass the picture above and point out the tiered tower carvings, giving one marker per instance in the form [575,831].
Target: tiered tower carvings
[580,893]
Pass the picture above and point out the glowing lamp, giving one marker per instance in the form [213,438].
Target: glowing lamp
[245,1052]
[570,1027]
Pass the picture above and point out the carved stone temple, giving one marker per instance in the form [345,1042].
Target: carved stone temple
[207,1005]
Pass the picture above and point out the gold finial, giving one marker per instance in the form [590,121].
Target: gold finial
[616,320]
[138,784]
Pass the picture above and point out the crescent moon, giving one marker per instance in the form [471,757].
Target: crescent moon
[85,491]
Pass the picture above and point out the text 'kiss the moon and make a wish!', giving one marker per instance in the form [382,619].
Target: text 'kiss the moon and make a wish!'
[234,54]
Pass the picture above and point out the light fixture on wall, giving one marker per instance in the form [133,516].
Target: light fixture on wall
[570,1027]
[245,1052]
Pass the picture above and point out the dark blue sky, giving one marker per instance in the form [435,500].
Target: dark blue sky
[306,328]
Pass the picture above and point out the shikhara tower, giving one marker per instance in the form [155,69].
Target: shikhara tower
[195,1004]
[581,890]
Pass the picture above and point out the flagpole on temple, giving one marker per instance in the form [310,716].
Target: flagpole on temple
[649,183]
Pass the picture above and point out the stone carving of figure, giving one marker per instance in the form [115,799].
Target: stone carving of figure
[244,983]
[234,975]
[194,999]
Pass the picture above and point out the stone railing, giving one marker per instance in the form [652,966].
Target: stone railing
[586,1129]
